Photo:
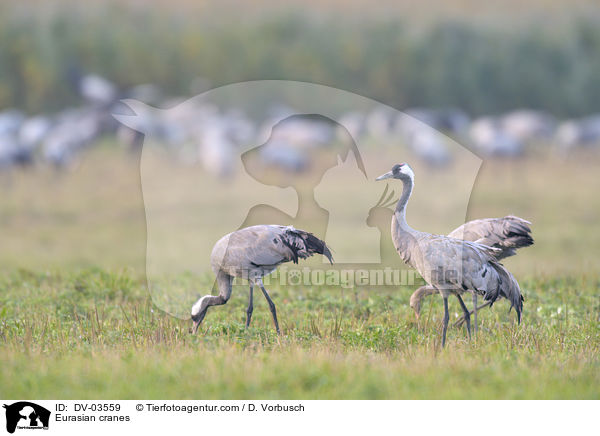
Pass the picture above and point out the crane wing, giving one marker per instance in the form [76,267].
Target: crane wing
[265,246]
[507,234]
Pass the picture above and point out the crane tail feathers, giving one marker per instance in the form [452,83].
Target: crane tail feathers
[318,246]
[508,288]
[304,244]
[517,234]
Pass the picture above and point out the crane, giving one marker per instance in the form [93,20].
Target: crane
[450,265]
[251,253]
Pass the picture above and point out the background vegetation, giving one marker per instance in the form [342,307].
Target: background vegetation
[481,58]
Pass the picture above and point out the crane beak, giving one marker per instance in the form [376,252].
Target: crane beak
[387,175]
[197,320]
[195,327]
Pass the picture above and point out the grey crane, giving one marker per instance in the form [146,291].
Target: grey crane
[450,265]
[507,234]
[252,253]
[490,138]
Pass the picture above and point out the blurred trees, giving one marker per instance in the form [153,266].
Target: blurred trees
[481,70]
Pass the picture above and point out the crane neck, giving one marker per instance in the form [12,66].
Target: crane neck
[400,212]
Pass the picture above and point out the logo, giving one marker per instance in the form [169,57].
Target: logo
[26,415]
[293,154]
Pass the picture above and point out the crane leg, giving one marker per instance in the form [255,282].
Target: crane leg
[250,306]
[466,312]
[462,318]
[446,318]
[475,313]
[271,306]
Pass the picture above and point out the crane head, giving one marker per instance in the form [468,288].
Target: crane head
[198,313]
[399,171]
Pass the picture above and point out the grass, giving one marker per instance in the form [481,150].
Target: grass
[76,320]
[95,334]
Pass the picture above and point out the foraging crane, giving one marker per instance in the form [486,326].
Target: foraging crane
[252,253]
[450,265]
[491,139]
[527,125]
[507,234]
[578,133]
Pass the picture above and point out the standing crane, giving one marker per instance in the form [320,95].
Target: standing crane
[450,265]
[507,234]
[251,253]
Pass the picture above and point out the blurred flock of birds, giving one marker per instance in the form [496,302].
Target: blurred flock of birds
[211,137]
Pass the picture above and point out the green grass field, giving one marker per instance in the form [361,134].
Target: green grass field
[76,320]
[95,334]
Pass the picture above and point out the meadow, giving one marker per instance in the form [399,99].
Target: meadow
[77,321]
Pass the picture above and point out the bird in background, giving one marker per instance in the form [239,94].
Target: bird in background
[507,234]
[251,253]
[450,265]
